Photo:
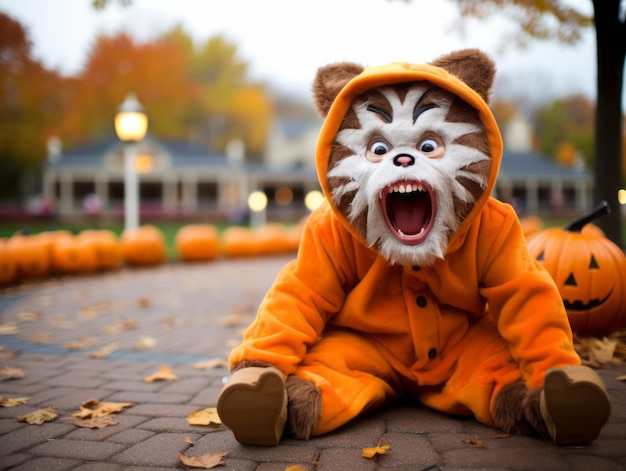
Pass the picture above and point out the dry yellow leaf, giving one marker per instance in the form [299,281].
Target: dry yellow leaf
[87,312]
[204,417]
[295,467]
[9,328]
[104,351]
[41,339]
[12,401]
[82,343]
[39,416]
[164,374]
[11,373]
[206,461]
[144,343]
[477,442]
[188,440]
[234,320]
[7,353]
[144,302]
[211,364]
[28,316]
[94,408]
[380,449]
[96,422]
[621,378]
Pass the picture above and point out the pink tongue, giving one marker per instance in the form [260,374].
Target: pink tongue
[409,214]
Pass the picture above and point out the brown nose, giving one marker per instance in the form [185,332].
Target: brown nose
[403,160]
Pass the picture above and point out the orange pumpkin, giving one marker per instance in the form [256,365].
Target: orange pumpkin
[49,238]
[31,255]
[73,255]
[271,239]
[239,242]
[143,245]
[7,264]
[197,242]
[589,271]
[106,247]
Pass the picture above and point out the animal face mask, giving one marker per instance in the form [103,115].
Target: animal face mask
[407,160]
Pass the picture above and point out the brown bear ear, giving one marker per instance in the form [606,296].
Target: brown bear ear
[472,66]
[329,81]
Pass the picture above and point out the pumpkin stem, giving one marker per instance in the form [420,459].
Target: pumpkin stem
[578,224]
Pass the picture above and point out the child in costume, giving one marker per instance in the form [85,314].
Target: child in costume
[411,278]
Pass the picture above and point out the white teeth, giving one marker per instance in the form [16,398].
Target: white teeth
[406,188]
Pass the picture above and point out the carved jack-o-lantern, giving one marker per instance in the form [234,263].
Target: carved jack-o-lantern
[589,271]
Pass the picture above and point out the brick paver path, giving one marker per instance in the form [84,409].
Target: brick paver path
[181,314]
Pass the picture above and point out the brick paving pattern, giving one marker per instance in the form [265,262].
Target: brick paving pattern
[192,313]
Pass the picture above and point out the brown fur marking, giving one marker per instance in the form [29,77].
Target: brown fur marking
[516,410]
[304,407]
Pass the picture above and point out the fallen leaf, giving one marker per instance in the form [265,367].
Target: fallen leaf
[595,352]
[204,417]
[12,401]
[621,378]
[61,321]
[41,339]
[82,343]
[188,440]
[96,422]
[28,316]
[379,449]
[295,467]
[39,416]
[144,302]
[9,328]
[477,442]
[7,353]
[94,408]
[87,312]
[164,374]
[11,373]
[233,320]
[206,461]
[211,364]
[121,325]
[144,343]
[104,351]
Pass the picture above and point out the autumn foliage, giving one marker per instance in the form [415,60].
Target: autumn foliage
[199,93]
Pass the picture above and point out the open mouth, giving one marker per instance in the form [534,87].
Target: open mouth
[409,209]
[578,305]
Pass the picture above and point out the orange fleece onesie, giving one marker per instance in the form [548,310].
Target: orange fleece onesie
[453,331]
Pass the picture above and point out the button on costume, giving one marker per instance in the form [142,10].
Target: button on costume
[411,277]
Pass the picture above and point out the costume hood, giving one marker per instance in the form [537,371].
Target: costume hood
[467,74]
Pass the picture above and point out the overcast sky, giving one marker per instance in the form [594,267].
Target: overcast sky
[284,41]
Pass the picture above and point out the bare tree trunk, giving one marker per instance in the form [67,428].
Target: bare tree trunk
[607,162]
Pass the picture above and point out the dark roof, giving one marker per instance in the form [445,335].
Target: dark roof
[182,153]
[521,164]
[515,164]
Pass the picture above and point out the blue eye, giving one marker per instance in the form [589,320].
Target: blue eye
[428,145]
[379,148]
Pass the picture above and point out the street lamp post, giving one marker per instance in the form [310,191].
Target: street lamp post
[131,124]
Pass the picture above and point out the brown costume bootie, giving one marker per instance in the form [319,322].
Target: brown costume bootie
[253,404]
[574,405]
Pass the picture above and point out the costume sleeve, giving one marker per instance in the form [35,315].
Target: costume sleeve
[305,294]
[523,298]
